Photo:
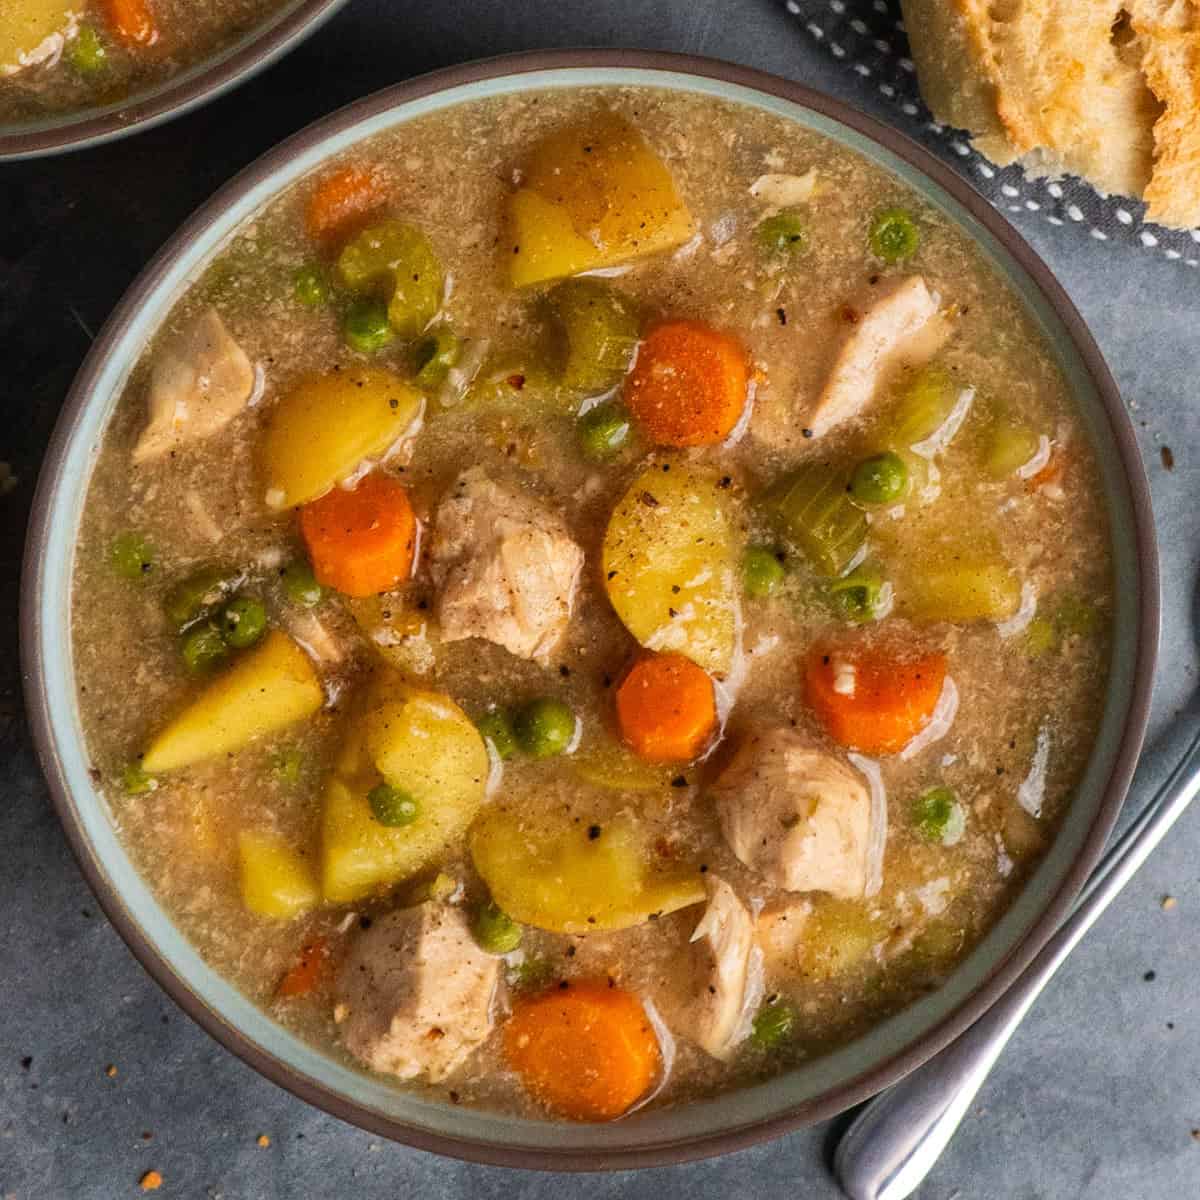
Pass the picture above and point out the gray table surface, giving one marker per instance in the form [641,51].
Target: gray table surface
[1098,1095]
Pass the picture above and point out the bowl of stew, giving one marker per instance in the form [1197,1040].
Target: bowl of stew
[80,72]
[598,647]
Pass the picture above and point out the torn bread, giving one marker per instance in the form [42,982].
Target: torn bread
[1106,89]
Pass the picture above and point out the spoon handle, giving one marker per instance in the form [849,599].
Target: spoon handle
[895,1141]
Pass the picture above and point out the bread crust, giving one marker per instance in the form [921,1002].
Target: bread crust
[1169,31]
[955,65]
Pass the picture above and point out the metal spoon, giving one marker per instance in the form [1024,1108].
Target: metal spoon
[895,1141]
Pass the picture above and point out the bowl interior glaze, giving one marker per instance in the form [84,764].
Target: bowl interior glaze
[814,1090]
[195,85]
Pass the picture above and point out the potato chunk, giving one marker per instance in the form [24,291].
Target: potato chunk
[592,194]
[423,744]
[839,936]
[32,31]
[270,687]
[669,565]
[572,878]
[275,879]
[965,589]
[321,432]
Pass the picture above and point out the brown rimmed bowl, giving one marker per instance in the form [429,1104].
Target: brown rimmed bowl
[187,89]
[815,1089]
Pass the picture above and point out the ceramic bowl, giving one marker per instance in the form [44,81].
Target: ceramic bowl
[196,85]
[813,1090]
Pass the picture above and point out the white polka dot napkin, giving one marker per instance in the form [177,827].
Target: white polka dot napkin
[868,37]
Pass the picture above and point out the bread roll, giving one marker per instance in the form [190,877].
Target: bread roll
[1106,89]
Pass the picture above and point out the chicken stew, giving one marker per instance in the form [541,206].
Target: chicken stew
[601,616]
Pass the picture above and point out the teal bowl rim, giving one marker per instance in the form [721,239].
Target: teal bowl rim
[197,84]
[812,1091]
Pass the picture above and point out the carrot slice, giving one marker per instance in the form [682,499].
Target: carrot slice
[132,21]
[308,972]
[340,200]
[666,708]
[585,1050]
[873,699]
[361,542]
[688,386]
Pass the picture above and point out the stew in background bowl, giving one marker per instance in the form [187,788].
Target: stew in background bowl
[78,74]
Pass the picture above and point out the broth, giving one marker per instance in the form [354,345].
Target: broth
[1007,493]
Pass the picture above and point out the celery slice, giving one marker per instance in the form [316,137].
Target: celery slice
[813,511]
[601,330]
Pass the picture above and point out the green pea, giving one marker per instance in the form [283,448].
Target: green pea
[366,327]
[197,595]
[86,52]
[938,944]
[243,622]
[881,479]
[300,584]
[783,234]
[310,287]
[532,974]
[203,647]
[1076,617]
[494,930]
[135,781]
[288,764]
[603,431]
[894,236]
[434,356]
[392,806]
[939,817]
[496,729]
[859,595]
[762,572]
[544,728]
[132,557]
[773,1024]
[1040,637]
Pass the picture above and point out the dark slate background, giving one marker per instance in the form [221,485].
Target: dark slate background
[1100,1092]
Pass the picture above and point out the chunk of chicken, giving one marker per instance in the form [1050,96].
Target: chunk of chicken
[723,982]
[201,380]
[506,566]
[901,326]
[415,993]
[796,815]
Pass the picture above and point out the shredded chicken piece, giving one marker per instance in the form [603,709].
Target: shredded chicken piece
[900,326]
[201,380]
[796,815]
